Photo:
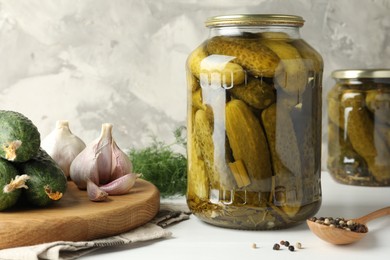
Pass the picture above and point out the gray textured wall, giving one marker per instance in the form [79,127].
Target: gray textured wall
[122,61]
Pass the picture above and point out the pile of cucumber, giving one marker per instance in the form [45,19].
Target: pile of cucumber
[21,154]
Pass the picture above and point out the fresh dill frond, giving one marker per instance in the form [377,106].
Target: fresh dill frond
[163,167]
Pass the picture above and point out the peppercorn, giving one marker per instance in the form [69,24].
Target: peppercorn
[286,243]
[276,247]
[281,242]
[361,229]
[291,248]
[348,225]
[326,221]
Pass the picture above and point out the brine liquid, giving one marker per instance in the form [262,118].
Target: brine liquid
[254,137]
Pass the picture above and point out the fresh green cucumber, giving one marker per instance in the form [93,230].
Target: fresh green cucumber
[46,183]
[8,195]
[19,137]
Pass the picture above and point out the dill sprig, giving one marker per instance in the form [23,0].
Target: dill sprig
[163,167]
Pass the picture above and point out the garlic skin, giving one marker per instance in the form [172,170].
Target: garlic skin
[62,145]
[103,168]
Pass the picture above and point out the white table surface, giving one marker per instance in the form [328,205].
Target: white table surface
[194,239]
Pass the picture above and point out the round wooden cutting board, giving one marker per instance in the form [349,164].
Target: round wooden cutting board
[76,218]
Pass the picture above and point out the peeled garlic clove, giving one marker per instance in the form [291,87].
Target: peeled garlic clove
[95,193]
[121,164]
[121,185]
[85,167]
[62,145]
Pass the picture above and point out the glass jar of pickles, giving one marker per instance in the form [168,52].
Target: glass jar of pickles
[254,123]
[359,127]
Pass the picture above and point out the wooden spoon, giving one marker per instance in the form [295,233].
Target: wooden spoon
[340,236]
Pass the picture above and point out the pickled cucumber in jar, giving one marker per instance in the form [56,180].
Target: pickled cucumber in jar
[359,129]
[254,128]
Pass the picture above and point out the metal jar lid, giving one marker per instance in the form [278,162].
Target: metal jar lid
[255,19]
[361,73]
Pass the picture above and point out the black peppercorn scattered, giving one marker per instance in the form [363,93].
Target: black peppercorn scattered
[287,244]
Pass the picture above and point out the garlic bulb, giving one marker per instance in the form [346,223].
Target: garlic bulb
[103,168]
[62,145]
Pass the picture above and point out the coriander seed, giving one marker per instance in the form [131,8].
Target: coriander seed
[298,245]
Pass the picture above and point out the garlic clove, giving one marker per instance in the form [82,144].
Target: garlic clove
[95,193]
[121,164]
[103,148]
[121,185]
[62,145]
[85,167]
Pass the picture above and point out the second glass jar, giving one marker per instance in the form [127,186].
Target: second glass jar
[359,127]
[254,124]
